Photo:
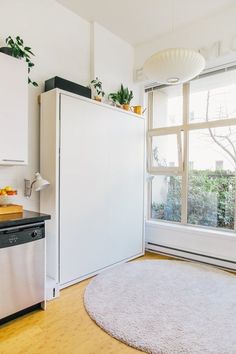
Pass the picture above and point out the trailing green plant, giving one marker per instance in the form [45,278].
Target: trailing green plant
[122,96]
[20,51]
[97,85]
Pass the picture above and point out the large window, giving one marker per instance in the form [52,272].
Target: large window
[192,152]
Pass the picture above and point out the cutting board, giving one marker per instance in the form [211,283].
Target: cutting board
[11,209]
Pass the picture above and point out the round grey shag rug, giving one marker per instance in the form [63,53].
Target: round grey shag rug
[166,307]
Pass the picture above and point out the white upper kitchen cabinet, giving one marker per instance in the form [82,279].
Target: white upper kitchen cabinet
[13,111]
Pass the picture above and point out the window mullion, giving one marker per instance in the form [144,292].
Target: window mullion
[149,156]
[212,124]
[184,195]
[150,110]
[149,199]
[235,208]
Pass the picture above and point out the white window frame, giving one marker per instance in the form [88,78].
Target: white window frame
[166,170]
[182,169]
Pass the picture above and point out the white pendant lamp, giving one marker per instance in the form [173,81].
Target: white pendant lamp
[174,66]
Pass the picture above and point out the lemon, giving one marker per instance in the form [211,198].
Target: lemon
[8,188]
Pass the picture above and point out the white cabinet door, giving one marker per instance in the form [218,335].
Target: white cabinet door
[13,111]
[101,187]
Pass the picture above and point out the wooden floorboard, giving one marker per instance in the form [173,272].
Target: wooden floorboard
[64,328]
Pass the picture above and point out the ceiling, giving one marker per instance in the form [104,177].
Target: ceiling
[138,21]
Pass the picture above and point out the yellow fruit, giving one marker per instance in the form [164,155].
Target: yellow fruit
[4,192]
[8,188]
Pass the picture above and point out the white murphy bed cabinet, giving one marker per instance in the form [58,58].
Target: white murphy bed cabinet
[93,156]
[13,111]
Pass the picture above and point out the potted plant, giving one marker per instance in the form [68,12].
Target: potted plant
[97,86]
[122,97]
[17,49]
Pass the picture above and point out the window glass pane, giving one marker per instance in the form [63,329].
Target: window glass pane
[167,106]
[211,184]
[166,198]
[213,97]
[165,151]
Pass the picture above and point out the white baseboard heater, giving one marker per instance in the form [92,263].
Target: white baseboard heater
[191,256]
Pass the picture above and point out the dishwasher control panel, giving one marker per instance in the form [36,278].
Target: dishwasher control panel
[14,236]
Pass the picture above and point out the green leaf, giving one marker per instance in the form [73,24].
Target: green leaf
[28,50]
[21,51]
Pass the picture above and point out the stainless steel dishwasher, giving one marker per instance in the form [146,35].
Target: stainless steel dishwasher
[22,268]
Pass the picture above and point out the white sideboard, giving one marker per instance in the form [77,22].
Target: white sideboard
[13,111]
[93,155]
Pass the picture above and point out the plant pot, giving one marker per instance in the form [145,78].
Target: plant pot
[97,98]
[6,50]
[126,107]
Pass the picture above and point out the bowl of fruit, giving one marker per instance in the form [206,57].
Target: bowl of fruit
[6,194]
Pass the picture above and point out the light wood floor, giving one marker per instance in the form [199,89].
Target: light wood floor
[65,328]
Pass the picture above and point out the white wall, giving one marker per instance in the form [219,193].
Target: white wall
[202,35]
[218,28]
[113,61]
[193,243]
[60,40]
